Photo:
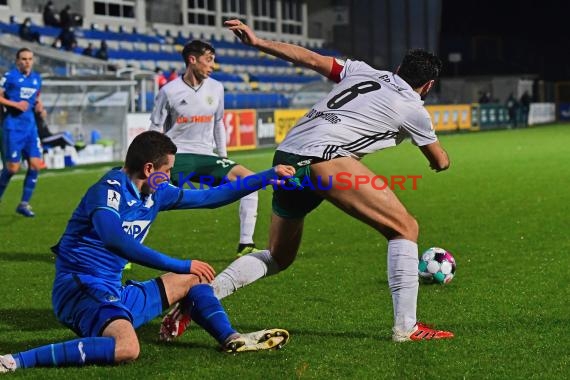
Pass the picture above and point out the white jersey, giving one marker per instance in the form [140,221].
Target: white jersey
[191,117]
[366,111]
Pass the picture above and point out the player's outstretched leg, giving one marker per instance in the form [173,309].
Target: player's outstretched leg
[240,273]
[77,352]
[420,331]
[259,340]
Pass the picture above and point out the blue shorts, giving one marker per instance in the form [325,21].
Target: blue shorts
[17,144]
[87,304]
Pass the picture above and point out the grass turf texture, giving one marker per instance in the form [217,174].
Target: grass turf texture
[502,210]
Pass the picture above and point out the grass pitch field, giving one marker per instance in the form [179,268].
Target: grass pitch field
[502,209]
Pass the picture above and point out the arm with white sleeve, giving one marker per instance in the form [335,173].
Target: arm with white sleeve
[219,128]
[422,132]
[160,112]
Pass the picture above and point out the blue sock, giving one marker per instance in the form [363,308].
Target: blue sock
[208,312]
[29,185]
[5,176]
[78,352]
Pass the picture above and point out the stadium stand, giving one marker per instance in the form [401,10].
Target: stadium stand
[251,79]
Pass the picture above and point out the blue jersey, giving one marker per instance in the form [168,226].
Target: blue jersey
[17,87]
[80,250]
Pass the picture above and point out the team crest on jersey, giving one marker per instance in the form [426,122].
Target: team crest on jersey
[113,199]
[209,100]
[136,228]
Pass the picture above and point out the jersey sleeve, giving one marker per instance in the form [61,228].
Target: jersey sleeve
[111,233]
[174,198]
[167,196]
[420,129]
[342,69]
[103,196]
[5,82]
[219,128]
[160,112]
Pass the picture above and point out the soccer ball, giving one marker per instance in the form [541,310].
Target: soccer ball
[437,265]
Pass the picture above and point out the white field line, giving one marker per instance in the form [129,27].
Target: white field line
[20,176]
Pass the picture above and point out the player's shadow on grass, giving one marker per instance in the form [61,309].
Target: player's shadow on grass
[44,257]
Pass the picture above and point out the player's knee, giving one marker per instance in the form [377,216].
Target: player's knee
[190,281]
[411,228]
[36,166]
[13,169]
[405,227]
[284,262]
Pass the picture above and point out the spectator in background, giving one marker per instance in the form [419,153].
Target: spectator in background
[512,107]
[49,15]
[102,52]
[66,39]
[171,75]
[65,17]
[160,77]
[485,97]
[88,51]
[25,32]
[46,136]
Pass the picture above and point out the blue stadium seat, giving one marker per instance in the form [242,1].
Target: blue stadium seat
[258,100]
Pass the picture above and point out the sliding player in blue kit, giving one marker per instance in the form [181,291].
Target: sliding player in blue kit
[105,231]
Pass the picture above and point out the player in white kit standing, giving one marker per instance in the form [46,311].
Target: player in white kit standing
[366,111]
[190,110]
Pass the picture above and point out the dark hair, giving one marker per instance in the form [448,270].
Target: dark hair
[149,146]
[22,50]
[196,48]
[419,67]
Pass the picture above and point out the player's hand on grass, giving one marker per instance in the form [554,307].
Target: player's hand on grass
[22,105]
[242,31]
[202,269]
